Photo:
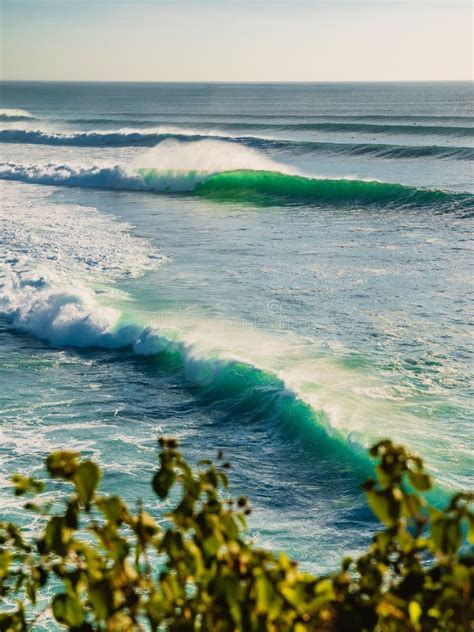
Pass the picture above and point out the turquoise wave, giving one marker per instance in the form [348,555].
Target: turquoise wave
[270,187]
[260,188]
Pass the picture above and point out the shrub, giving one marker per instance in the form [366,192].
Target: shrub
[109,567]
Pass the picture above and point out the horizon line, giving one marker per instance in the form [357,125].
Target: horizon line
[239,82]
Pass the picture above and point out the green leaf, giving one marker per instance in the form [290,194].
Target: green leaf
[265,593]
[113,508]
[62,464]
[470,532]
[162,482]
[31,591]
[86,479]
[6,558]
[57,535]
[68,610]
[446,533]
[173,545]
[24,484]
[420,480]
[384,506]
[119,548]
[101,598]
[211,545]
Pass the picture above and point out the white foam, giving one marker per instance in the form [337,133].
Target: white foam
[95,176]
[37,233]
[46,307]
[175,166]
[209,156]
[52,255]
[14,113]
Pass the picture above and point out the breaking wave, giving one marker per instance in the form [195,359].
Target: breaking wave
[417,128]
[94,138]
[258,186]
[269,186]
[68,314]
[339,126]
[152,137]
[15,114]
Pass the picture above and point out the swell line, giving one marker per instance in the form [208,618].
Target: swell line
[143,138]
[113,117]
[331,126]
[348,127]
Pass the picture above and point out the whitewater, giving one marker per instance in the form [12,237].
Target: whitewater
[275,273]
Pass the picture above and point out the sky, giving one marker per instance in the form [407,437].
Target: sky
[239,40]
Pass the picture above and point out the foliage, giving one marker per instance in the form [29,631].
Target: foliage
[113,568]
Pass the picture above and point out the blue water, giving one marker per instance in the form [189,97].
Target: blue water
[281,271]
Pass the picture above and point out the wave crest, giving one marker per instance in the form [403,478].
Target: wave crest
[270,187]
[254,186]
[69,314]
[154,136]
[15,114]
[93,138]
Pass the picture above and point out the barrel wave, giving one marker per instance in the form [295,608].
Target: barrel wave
[252,186]
[267,187]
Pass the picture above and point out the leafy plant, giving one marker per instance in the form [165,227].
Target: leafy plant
[112,568]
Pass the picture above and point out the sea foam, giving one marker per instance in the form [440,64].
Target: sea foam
[14,114]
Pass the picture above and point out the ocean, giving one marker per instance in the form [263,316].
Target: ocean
[281,271]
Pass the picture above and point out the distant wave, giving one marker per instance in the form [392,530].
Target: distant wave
[368,128]
[288,116]
[375,150]
[149,138]
[340,126]
[256,187]
[14,114]
[93,138]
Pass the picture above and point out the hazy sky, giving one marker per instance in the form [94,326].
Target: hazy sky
[239,40]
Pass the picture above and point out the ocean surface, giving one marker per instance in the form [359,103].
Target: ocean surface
[281,271]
